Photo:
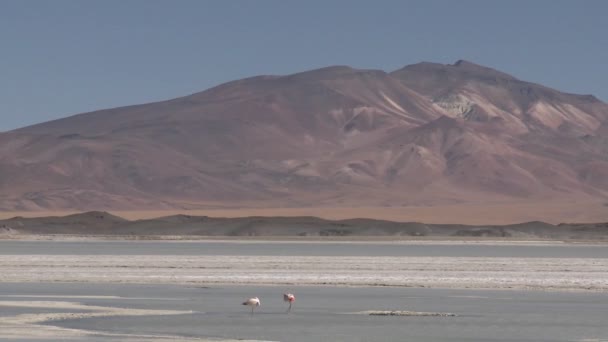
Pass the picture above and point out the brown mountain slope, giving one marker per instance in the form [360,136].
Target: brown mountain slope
[425,134]
[477,93]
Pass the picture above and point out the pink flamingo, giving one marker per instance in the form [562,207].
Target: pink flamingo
[289,297]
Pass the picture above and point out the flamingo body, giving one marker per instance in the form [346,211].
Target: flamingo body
[289,297]
[253,302]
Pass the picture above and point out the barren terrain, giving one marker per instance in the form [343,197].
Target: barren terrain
[185,226]
[473,214]
[427,135]
[436,272]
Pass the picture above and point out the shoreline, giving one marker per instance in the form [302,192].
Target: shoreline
[40,325]
[404,240]
[470,213]
[323,285]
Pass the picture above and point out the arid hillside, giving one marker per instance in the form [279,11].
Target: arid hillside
[427,134]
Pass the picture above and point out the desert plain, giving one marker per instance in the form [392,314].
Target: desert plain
[170,288]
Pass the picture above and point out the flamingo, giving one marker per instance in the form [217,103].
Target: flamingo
[289,297]
[253,302]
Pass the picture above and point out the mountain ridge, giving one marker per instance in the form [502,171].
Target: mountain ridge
[103,224]
[427,133]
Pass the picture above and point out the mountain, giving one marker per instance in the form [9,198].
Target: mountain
[426,134]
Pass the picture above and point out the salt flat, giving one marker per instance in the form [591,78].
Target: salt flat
[553,267]
[442,272]
[191,291]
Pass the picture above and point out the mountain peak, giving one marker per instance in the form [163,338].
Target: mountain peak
[330,72]
[461,68]
[479,70]
[332,69]
[465,63]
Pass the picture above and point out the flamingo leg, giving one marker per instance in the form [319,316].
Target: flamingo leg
[252,311]
[289,308]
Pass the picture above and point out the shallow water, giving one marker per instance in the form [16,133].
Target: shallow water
[294,248]
[320,313]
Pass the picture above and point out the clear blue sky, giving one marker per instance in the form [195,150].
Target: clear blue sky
[59,58]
